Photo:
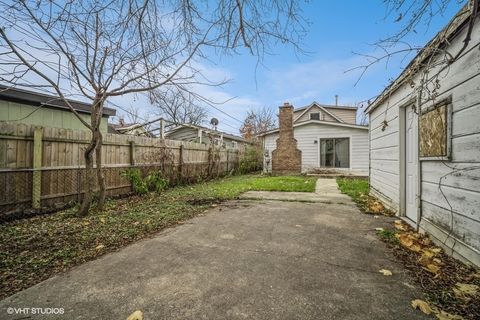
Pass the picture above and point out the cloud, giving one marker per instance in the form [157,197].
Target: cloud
[301,83]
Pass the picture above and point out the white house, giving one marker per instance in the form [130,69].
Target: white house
[425,140]
[328,138]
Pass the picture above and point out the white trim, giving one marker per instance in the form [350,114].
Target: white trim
[403,163]
[314,103]
[321,122]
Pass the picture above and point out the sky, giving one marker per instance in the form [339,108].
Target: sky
[337,32]
[337,29]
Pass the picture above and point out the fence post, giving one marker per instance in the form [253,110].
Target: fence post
[227,160]
[180,161]
[37,165]
[132,153]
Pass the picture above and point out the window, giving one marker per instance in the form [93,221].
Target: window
[315,116]
[434,131]
[335,153]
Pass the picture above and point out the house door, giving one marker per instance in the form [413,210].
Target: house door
[411,165]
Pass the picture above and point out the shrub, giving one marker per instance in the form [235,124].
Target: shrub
[152,182]
[251,161]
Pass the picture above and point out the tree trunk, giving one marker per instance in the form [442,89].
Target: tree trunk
[100,171]
[90,181]
[94,146]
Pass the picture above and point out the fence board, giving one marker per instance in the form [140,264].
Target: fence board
[63,164]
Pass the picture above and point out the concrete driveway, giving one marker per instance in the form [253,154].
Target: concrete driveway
[245,259]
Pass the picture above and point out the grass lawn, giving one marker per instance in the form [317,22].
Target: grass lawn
[358,190]
[355,188]
[32,250]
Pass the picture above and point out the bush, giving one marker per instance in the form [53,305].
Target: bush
[251,161]
[152,182]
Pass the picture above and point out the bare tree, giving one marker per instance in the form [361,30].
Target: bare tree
[134,115]
[258,121]
[412,15]
[101,49]
[178,106]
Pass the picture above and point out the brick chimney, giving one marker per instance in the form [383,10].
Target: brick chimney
[286,158]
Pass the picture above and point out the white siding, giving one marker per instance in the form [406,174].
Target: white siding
[306,116]
[307,134]
[347,115]
[450,190]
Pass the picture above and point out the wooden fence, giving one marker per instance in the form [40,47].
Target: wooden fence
[44,168]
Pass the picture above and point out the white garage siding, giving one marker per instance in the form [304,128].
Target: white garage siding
[307,134]
[452,218]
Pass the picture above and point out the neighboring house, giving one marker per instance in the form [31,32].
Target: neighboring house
[199,134]
[28,107]
[134,129]
[327,136]
[425,141]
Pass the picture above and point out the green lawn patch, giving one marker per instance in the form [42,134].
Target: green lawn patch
[32,250]
[355,188]
[358,190]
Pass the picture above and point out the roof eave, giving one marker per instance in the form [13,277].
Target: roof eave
[457,22]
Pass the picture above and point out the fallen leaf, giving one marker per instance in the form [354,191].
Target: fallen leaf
[465,291]
[386,272]
[442,315]
[400,225]
[376,207]
[415,247]
[137,315]
[422,305]
[405,240]
[99,247]
[426,241]
[433,268]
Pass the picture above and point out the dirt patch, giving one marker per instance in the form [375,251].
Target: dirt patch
[447,283]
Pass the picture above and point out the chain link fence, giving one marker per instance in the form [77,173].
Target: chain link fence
[42,170]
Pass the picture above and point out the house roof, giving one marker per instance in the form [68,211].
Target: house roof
[326,106]
[442,38]
[313,104]
[318,122]
[126,128]
[225,135]
[49,101]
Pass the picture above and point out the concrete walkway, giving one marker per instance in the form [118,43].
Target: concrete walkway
[326,191]
[241,260]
